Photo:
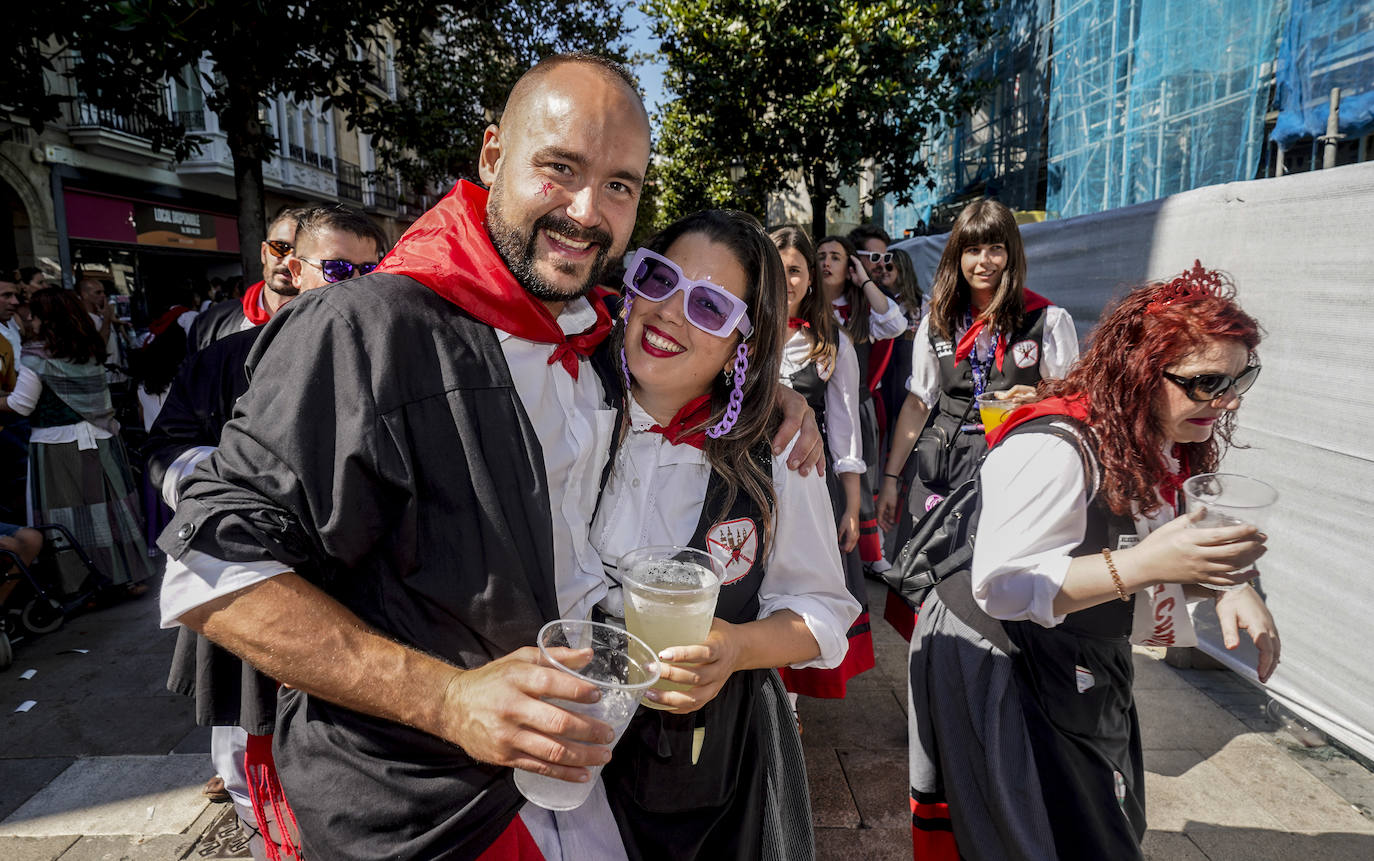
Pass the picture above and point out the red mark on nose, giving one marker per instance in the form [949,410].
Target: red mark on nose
[546,188]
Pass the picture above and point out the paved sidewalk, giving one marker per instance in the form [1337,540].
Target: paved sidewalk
[1223,782]
[108,765]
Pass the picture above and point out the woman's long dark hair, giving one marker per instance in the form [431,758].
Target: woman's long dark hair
[66,331]
[857,325]
[1121,374]
[908,288]
[155,364]
[732,455]
[815,308]
[983,222]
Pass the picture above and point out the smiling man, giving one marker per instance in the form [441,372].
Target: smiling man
[403,497]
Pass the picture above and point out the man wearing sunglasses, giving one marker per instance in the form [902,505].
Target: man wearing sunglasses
[230,696]
[261,300]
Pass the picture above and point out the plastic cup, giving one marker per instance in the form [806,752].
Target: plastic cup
[670,598]
[993,410]
[1229,499]
[614,660]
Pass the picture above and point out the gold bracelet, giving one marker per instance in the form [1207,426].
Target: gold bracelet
[1116,575]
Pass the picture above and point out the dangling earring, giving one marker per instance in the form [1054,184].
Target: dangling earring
[625,313]
[736,394]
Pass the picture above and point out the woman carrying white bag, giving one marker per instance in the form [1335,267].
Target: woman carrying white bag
[1025,742]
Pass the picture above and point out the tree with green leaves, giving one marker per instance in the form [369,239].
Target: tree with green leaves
[817,88]
[457,80]
[125,51]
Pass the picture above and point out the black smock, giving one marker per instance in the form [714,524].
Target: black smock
[200,401]
[383,453]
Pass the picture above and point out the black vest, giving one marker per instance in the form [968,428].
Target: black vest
[668,807]
[808,383]
[1025,345]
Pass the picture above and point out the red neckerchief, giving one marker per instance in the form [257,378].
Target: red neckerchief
[448,250]
[797,323]
[1077,407]
[1072,407]
[163,323]
[1034,302]
[842,310]
[689,424]
[253,307]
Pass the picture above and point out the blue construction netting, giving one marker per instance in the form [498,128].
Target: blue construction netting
[1153,97]
[998,149]
[1326,44]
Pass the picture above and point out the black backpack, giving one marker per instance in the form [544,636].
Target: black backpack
[940,550]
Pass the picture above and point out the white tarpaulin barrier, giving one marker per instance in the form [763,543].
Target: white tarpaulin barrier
[1301,251]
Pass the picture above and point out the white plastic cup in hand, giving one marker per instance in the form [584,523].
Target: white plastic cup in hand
[619,666]
[670,598]
[1228,499]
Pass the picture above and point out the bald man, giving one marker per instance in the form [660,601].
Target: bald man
[403,497]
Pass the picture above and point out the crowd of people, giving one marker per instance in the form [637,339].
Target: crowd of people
[432,461]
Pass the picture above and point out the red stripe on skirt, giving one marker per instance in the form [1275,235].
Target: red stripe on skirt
[514,844]
[830,684]
[897,614]
[870,542]
[931,836]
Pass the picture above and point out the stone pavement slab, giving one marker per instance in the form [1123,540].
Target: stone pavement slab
[115,795]
[21,778]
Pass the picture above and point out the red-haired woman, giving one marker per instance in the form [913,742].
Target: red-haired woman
[1038,755]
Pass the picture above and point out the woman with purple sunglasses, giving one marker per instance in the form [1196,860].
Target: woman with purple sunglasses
[704,327]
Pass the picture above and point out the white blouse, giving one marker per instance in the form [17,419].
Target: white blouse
[1059,350]
[881,327]
[1034,513]
[841,397]
[655,494]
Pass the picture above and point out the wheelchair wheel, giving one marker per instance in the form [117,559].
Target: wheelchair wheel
[40,617]
[6,652]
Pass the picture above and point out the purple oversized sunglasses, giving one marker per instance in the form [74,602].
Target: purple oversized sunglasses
[711,309]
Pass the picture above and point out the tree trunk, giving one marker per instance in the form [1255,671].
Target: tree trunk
[819,190]
[248,147]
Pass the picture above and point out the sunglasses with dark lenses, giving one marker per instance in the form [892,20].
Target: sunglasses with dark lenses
[711,309]
[878,256]
[339,270]
[279,248]
[1209,387]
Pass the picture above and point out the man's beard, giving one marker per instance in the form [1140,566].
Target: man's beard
[517,251]
[289,290]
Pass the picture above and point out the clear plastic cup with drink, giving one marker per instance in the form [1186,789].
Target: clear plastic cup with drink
[614,660]
[670,598]
[1229,499]
[994,407]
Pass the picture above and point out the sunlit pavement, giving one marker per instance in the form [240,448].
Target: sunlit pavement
[1223,782]
[108,765]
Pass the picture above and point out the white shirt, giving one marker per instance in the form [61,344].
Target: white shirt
[1058,352]
[881,327]
[1034,513]
[10,329]
[841,397]
[574,431]
[655,494]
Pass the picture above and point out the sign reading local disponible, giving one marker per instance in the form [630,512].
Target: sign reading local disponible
[176,228]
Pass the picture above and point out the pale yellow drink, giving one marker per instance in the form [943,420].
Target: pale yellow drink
[669,602]
[994,413]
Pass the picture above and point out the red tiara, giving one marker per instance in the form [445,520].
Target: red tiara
[1193,284]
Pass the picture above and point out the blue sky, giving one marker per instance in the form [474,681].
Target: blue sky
[640,38]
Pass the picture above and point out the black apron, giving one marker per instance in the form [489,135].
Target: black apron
[1075,685]
[666,806]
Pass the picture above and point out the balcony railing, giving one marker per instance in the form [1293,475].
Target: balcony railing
[350,182]
[384,198]
[296,152]
[190,120]
[326,162]
[88,116]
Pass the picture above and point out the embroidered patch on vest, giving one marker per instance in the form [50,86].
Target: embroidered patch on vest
[1084,677]
[736,542]
[1026,354]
